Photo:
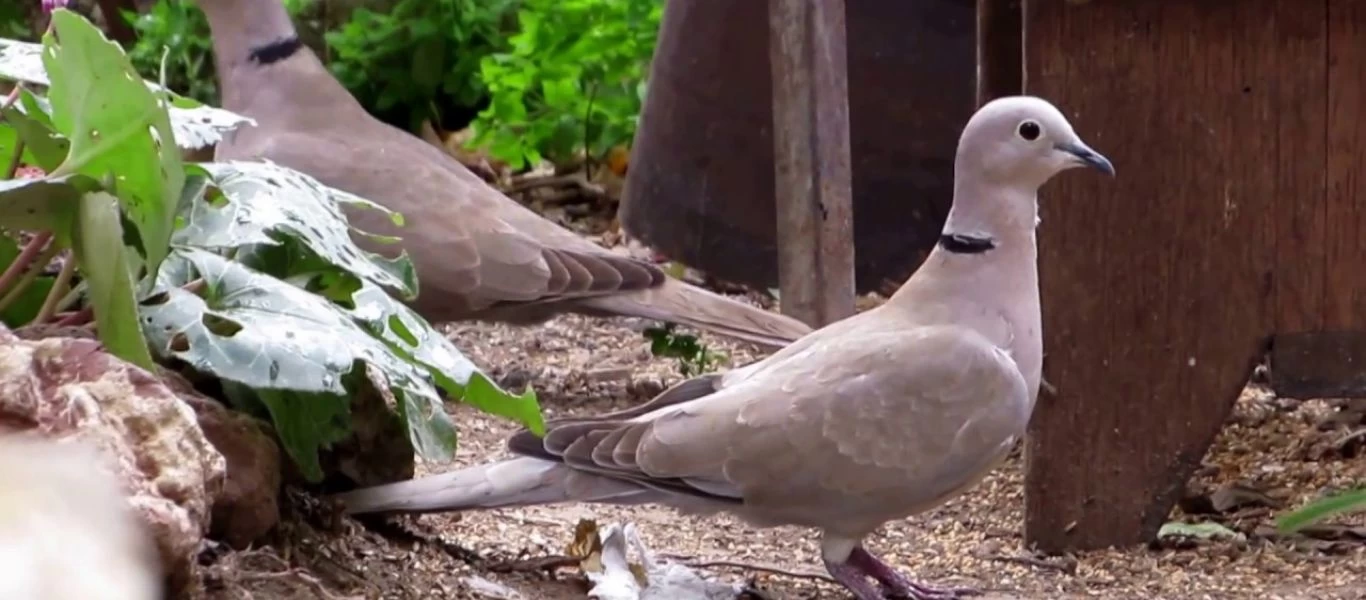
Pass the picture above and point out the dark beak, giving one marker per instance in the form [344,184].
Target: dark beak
[1088,157]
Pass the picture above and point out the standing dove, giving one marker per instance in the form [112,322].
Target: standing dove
[880,416]
[478,253]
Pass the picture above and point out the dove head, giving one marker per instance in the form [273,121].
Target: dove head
[1022,141]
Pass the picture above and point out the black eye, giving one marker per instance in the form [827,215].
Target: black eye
[1029,130]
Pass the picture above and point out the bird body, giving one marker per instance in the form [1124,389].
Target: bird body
[876,417]
[478,253]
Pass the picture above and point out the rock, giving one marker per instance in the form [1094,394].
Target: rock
[66,530]
[249,506]
[72,390]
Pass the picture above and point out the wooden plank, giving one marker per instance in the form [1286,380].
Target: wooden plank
[811,159]
[1000,63]
[1319,364]
[1345,290]
[1160,287]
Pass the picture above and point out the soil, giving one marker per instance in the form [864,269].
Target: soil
[1273,454]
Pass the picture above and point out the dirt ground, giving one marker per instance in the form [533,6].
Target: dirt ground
[1272,454]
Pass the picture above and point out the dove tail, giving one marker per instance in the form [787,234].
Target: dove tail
[517,482]
[679,302]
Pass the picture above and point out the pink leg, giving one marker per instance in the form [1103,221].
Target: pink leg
[897,585]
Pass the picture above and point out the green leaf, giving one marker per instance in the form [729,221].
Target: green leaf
[117,128]
[305,422]
[413,338]
[42,204]
[267,334]
[97,241]
[1323,509]
[263,203]
[44,147]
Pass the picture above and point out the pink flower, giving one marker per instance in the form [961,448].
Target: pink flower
[51,5]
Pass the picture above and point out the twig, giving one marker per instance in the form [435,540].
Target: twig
[21,262]
[1067,567]
[58,290]
[730,564]
[540,181]
[532,565]
[32,273]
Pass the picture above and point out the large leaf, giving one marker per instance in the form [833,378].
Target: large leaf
[415,339]
[266,334]
[97,240]
[262,203]
[195,125]
[42,204]
[118,129]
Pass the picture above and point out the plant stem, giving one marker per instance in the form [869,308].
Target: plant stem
[79,317]
[58,290]
[29,276]
[21,262]
[71,297]
[14,161]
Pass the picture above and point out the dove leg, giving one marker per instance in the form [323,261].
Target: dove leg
[854,580]
[896,584]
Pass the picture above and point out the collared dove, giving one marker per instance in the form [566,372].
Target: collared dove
[883,415]
[478,253]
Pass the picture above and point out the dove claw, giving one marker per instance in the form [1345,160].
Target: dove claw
[861,564]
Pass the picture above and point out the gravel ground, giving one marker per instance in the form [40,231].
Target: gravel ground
[1272,453]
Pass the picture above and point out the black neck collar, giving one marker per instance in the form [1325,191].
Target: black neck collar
[962,243]
[275,51]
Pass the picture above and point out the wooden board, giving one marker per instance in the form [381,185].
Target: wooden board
[811,159]
[1161,287]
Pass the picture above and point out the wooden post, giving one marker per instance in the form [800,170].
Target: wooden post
[1162,287]
[811,159]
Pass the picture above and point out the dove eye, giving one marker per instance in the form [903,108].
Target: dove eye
[1029,130]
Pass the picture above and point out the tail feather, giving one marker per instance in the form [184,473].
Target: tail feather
[679,302]
[521,481]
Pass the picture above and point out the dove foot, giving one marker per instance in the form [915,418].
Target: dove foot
[895,586]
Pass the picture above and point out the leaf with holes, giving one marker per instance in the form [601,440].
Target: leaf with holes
[254,203]
[118,130]
[413,338]
[195,125]
[264,333]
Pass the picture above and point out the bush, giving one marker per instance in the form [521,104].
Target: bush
[419,59]
[572,83]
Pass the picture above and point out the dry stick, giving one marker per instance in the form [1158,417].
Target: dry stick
[21,262]
[29,276]
[58,290]
[760,568]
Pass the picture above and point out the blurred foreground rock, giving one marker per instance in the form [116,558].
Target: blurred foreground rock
[66,532]
[70,391]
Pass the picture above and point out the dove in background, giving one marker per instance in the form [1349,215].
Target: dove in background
[478,253]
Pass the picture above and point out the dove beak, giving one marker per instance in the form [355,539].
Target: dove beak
[1086,157]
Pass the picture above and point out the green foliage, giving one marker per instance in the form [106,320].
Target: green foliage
[573,80]
[244,272]
[694,358]
[176,30]
[1323,509]
[14,21]
[420,54]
